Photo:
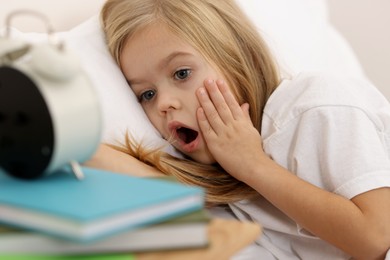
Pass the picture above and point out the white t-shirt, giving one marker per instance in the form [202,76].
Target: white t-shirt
[332,132]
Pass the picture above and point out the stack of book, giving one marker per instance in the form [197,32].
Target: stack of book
[103,214]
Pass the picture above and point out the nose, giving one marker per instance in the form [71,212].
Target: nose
[167,101]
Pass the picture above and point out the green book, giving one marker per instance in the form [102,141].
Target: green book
[187,231]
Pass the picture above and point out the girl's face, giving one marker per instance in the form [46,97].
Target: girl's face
[164,72]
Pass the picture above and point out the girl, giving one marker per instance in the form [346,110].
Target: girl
[308,157]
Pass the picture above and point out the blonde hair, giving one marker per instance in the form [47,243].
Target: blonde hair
[222,33]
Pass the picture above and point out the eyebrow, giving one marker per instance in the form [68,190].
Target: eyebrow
[163,63]
[171,57]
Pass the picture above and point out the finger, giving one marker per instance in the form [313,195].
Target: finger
[230,99]
[209,110]
[245,110]
[204,125]
[219,101]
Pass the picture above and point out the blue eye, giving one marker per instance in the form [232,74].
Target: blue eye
[182,74]
[147,95]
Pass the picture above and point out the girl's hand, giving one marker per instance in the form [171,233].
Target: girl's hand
[228,130]
[360,226]
[108,158]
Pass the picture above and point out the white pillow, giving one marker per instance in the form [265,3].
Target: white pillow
[298,32]
[121,110]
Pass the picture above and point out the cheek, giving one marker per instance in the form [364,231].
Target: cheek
[153,118]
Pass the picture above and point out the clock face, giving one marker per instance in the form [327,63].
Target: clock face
[26,126]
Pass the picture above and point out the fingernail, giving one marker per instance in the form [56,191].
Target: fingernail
[209,81]
[202,91]
[220,81]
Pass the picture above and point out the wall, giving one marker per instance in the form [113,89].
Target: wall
[366,25]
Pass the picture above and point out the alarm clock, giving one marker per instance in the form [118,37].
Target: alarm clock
[50,115]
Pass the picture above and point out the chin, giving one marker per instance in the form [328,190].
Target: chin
[200,156]
[203,158]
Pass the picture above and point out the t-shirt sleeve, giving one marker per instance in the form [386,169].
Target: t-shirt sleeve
[342,149]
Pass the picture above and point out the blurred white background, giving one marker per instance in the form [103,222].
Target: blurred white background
[365,25]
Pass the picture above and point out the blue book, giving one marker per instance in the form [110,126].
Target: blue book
[100,205]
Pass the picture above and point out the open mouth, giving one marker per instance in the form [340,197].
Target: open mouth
[186,135]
